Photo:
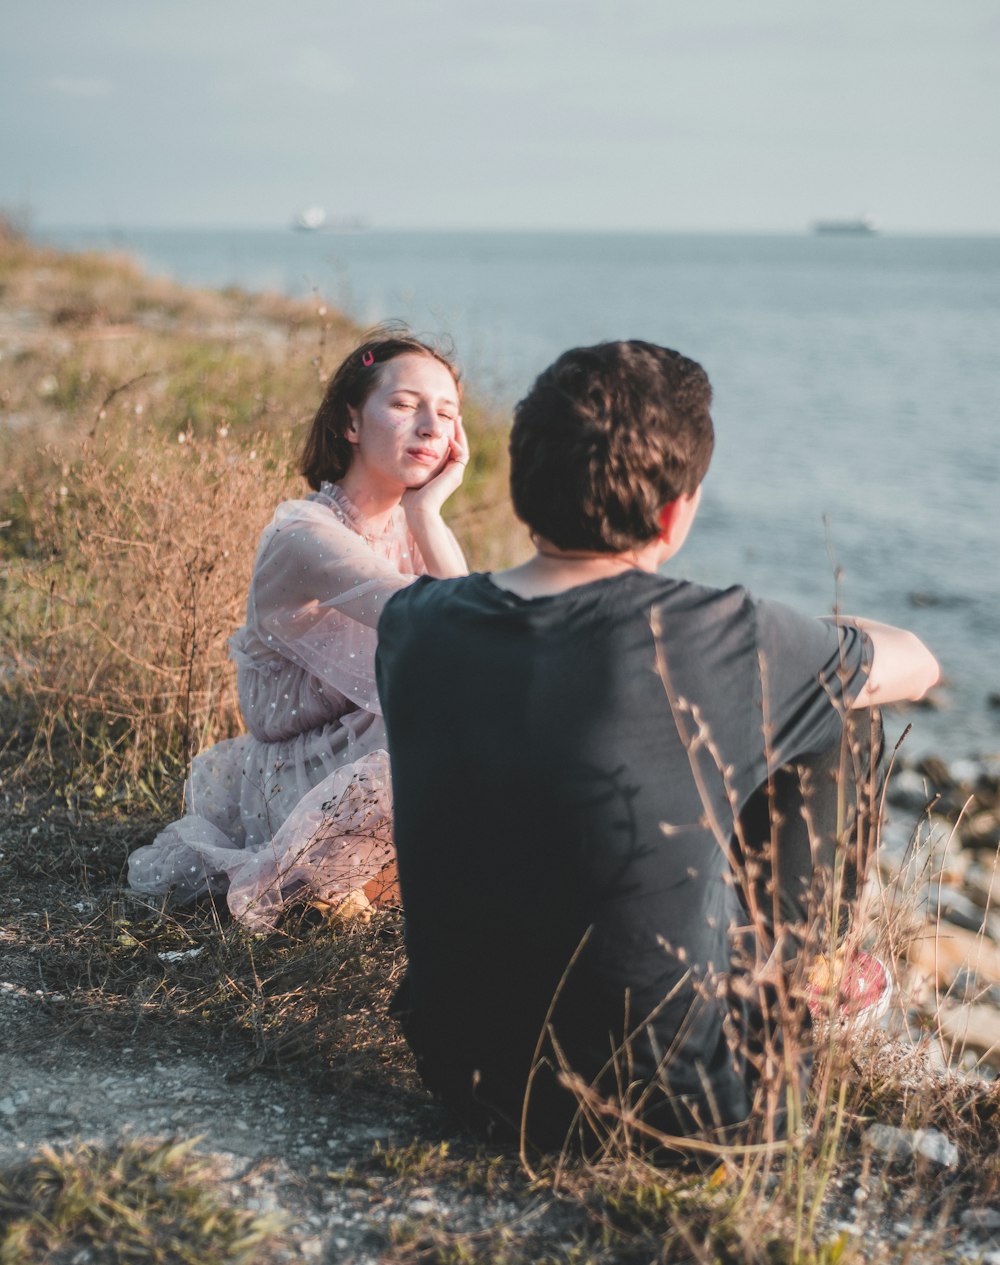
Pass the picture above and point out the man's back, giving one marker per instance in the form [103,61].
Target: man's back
[562,820]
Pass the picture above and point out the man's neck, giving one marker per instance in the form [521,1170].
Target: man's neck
[553,570]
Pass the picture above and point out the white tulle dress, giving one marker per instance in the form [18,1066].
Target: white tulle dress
[304,797]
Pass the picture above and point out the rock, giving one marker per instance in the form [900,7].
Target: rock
[936,772]
[953,866]
[895,853]
[908,789]
[974,1027]
[981,829]
[965,772]
[940,837]
[934,700]
[894,1145]
[986,1220]
[7,1107]
[960,911]
[983,884]
[899,1146]
[938,954]
[936,1147]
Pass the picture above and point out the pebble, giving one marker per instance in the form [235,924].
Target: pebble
[960,910]
[898,1146]
[423,1207]
[892,1143]
[7,1107]
[908,789]
[984,1219]
[965,772]
[936,1147]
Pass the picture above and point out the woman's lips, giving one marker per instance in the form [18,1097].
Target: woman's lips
[426,456]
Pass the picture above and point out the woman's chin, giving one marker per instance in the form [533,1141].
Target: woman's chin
[421,476]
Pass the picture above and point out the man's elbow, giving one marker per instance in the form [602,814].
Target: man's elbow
[929,670]
[910,672]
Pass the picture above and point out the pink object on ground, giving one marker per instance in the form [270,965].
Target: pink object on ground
[855,986]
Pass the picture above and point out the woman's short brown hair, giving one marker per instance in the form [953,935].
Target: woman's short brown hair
[604,439]
[327,452]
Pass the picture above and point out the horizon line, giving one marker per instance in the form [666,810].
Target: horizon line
[807,230]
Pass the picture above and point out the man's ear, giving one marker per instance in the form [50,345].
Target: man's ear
[676,518]
[668,519]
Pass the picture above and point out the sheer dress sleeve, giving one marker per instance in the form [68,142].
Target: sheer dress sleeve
[317,591]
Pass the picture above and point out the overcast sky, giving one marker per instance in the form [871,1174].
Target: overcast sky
[638,114]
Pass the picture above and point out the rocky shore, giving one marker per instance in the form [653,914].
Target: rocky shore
[937,891]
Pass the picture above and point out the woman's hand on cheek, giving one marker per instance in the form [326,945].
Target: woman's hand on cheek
[458,445]
[430,496]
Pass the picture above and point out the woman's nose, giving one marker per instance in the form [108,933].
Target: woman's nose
[430,422]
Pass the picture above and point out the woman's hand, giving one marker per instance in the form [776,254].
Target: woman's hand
[422,506]
[429,497]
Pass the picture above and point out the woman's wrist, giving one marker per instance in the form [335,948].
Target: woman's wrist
[420,509]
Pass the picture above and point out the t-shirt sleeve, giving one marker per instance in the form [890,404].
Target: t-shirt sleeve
[810,672]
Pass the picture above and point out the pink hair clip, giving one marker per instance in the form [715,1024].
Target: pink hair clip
[368,358]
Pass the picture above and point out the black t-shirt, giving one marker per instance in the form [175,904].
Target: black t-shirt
[566,775]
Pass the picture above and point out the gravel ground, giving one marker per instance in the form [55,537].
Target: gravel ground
[274,1144]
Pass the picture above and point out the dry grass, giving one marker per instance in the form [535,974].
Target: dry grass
[128,538]
[149,1202]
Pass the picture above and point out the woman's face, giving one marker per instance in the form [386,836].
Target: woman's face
[401,434]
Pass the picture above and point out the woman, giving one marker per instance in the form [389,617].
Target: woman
[301,803]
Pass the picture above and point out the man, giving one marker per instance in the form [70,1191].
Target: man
[606,871]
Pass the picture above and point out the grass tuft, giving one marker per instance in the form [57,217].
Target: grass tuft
[139,1201]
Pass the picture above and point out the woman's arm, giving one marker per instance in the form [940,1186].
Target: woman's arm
[902,670]
[437,544]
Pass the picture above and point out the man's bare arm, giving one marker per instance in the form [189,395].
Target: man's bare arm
[902,670]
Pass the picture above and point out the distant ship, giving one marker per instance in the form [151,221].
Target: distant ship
[314,218]
[863,226]
[310,219]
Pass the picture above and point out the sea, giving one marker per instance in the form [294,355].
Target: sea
[856,381]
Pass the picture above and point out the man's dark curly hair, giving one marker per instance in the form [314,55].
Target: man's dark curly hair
[604,439]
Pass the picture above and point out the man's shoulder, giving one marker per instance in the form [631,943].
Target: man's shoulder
[426,598]
[701,600]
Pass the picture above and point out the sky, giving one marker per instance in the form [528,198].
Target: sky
[720,115]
